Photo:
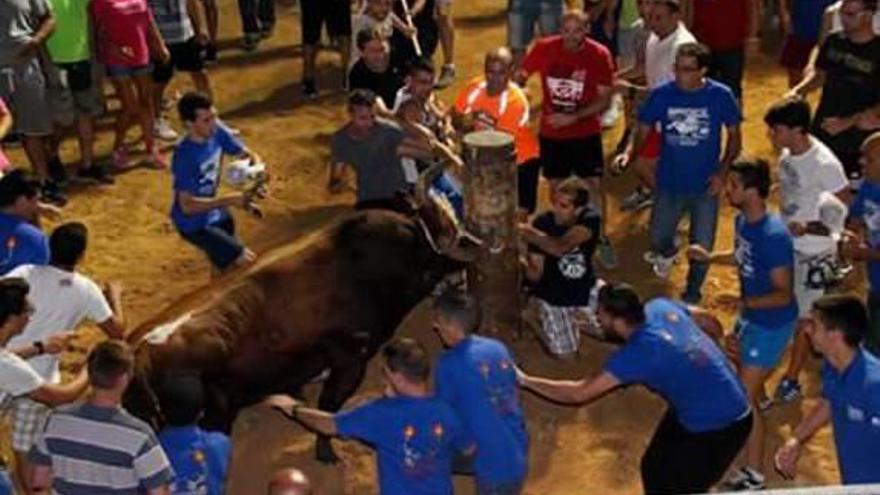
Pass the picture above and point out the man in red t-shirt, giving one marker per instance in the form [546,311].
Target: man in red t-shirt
[576,76]
[725,27]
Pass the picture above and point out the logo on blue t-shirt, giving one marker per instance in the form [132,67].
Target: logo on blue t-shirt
[422,462]
[871,218]
[688,127]
[744,258]
[191,472]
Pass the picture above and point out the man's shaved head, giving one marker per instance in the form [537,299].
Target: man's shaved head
[290,481]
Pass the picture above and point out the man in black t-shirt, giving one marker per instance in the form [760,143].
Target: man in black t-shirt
[848,71]
[374,70]
[559,266]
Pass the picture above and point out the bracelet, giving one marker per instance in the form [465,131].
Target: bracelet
[40,347]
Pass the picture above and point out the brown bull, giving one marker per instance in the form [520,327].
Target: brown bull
[327,302]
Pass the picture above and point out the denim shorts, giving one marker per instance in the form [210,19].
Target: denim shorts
[762,346]
[218,241]
[127,71]
[522,16]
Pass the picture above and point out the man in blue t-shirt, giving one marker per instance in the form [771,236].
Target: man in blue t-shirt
[199,214]
[764,257]
[850,393]
[415,434]
[865,219]
[21,243]
[200,458]
[709,418]
[477,377]
[690,112]
[559,266]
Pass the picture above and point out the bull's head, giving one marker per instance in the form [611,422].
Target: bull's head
[438,222]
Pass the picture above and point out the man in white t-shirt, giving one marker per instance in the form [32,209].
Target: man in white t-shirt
[814,197]
[62,299]
[19,379]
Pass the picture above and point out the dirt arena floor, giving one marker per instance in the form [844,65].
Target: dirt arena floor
[587,450]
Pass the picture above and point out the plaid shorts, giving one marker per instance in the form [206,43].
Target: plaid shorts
[29,422]
[561,326]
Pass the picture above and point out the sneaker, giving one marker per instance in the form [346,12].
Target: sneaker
[211,53]
[649,257]
[266,32]
[51,193]
[788,390]
[662,265]
[57,172]
[605,253]
[250,41]
[120,159]
[309,89]
[447,77]
[97,173]
[745,479]
[637,200]
[163,130]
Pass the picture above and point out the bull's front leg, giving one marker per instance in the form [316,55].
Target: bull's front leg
[346,374]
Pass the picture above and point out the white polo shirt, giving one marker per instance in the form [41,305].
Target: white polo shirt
[660,55]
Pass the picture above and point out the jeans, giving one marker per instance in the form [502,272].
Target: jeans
[728,67]
[256,15]
[521,18]
[668,210]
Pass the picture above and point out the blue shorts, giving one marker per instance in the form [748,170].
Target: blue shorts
[218,241]
[119,71]
[762,346]
[5,482]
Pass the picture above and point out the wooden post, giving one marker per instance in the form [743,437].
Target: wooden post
[490,194]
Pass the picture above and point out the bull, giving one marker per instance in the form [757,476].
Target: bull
[325,303]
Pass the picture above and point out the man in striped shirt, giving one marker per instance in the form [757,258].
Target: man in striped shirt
[97,447]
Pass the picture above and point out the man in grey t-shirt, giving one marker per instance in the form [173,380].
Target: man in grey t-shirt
[373,147]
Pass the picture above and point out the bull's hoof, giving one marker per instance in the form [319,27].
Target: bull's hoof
[324,453]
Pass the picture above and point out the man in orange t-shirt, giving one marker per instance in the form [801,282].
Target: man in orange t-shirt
[492,101]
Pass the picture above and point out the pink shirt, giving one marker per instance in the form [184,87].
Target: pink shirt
[4,162]
[124,27]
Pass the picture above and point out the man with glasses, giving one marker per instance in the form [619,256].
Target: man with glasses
[691,111]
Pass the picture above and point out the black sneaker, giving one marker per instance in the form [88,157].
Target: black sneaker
[51,193]
[211,53]
[310,90]
[97,173]
[250,42]
[266,32]
[57,172]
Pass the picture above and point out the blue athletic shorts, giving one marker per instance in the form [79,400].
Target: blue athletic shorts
[762,346]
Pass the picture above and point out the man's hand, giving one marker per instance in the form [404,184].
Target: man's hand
[202,37]
[620,163]
[868,121]
[696,252]
[836,125]
[729,299]
[797,229]
[162,53]
[57,343]
[409,31]
[283,403]
[28,50]
[49,211]
[557,119]
[112,290]
[716,184]
[786,458]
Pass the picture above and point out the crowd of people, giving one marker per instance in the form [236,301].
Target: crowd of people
[673,69]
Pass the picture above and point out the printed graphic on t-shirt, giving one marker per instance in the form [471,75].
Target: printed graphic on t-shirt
[501,395]
[566,87]
[744,257]
[209,171]
[791,181]
[416,462]
[191,474]
[573,265]
[687,127]
[864,66]
[872,222]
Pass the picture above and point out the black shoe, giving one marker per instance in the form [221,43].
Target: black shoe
[211,53]
[57,172]
[250,42]
[266,32]
[310,91]
[96,173]
[51,193]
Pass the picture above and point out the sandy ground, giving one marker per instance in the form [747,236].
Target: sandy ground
[588,450]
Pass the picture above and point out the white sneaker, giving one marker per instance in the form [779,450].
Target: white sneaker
[163,130]
[663,265]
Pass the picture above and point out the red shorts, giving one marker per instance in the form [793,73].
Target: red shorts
[651,148]
[796,52]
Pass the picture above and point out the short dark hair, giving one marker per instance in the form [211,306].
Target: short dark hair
[181,397]
[576,189]
[869,4]
[622,301]
[13,297]
[68,243]
[107,362]
[15,184]
[421,64]
[754,174]
[365,36]
[409,358]
[673,5]
[361,98]
[844,313]
[792,112]
[191,102]
[697,51]
[461,308]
